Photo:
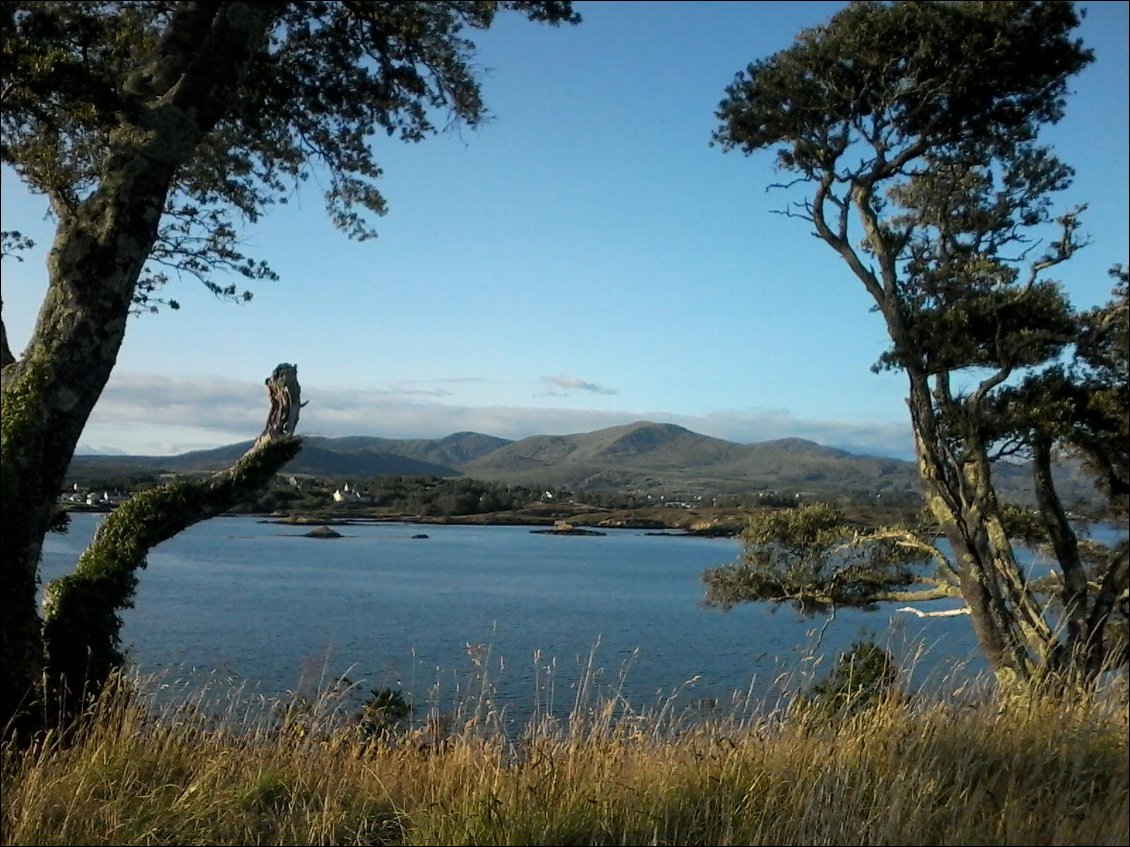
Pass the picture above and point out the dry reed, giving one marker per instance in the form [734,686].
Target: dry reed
[898,770]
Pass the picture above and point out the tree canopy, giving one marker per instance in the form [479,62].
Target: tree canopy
[243,102]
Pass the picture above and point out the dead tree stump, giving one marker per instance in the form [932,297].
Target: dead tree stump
[286,400]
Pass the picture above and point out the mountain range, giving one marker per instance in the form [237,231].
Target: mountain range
[639,456]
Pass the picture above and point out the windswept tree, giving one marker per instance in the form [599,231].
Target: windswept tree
[810,557]
[914,128]
[155,130]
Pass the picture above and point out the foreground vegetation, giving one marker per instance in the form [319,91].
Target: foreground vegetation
[843,764]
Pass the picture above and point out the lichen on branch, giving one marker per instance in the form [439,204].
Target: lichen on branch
[82,622]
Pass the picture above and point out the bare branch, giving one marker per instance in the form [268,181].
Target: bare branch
[964,610]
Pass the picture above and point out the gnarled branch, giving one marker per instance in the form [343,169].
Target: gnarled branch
[81,610]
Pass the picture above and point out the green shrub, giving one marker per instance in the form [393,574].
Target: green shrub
[862,676]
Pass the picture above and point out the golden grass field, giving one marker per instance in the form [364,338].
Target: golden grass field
[891,770]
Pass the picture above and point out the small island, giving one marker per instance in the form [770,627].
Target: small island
[566,528]
[306,520]
[322,532]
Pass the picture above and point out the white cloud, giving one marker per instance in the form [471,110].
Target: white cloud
[149,414]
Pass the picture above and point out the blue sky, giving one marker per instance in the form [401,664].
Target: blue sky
[585,259]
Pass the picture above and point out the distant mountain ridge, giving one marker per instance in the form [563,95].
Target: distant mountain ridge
[640,455]
[314,460]
[670,455]
[449,451]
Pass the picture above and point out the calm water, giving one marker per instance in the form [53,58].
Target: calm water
[257,603]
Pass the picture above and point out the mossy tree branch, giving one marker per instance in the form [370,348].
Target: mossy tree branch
[82,624]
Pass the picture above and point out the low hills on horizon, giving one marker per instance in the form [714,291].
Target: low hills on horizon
[641,456]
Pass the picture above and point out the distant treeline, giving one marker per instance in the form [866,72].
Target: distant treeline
[426,496]
[434,497]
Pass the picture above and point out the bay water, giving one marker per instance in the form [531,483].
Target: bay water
[523,622]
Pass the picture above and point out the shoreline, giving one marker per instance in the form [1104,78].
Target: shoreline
[651,526]
[542,525]
[692,524]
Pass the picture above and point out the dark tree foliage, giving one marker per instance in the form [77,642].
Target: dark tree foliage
[809,557]
[156,131]
[426,496]
[914,129]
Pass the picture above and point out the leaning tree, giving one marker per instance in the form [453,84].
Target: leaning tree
[913,130]
[155,130]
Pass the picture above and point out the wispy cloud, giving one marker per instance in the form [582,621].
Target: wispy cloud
[140,413]
[572,383]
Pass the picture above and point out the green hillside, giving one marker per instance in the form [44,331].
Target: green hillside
[642,457]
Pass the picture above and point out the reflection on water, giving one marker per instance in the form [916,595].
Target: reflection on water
[544,620]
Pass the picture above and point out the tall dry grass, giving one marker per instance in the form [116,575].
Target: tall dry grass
[897,771]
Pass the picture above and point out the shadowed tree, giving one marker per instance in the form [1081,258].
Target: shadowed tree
[809,557]
[155,130]
[914,129]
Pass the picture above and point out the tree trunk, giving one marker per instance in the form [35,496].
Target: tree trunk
[100,248]
[946,491]
[1080,642]
[48,396]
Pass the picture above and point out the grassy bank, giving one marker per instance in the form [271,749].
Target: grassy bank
[896,771]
